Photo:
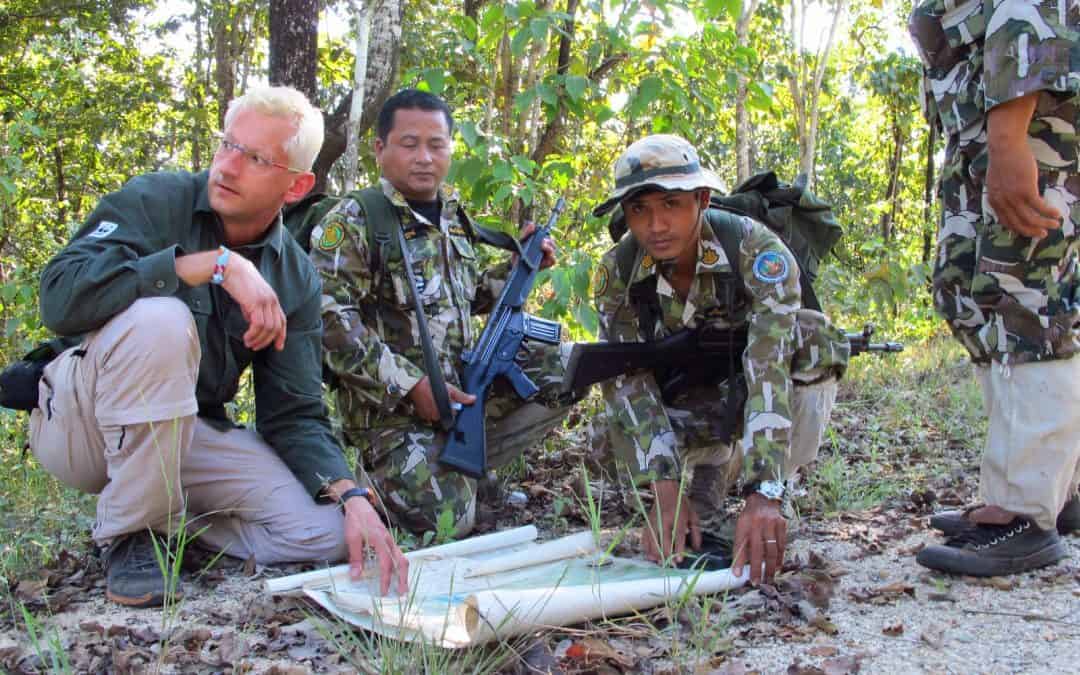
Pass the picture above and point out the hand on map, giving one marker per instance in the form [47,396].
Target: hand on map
[760,537]
[671,517]
[364,529]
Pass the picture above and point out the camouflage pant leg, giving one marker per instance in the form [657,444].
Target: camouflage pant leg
[416,490]
[404,464]
[514,426]
[1007,297]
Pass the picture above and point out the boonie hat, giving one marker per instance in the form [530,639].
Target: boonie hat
[663,162]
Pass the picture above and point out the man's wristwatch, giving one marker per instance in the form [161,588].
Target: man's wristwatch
[770,489]
[356,492]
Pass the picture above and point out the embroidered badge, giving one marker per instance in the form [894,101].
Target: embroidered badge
[709,257]
[457,230]
[647,262]
[600,280]
[771,267]
[332,236]
[104,229]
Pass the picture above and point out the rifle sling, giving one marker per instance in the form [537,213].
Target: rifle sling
[431,361]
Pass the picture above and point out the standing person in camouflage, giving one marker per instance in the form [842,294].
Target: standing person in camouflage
[791,363]
[371,337]
[1001,80]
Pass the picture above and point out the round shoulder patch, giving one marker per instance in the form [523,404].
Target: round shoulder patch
[710,257]
[600,280]
[332,236]
[771,267]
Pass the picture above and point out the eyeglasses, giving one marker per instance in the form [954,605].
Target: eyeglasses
[254,159]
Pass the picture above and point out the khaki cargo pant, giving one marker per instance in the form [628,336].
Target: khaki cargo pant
[1031,461]
[116,417]
[715,470]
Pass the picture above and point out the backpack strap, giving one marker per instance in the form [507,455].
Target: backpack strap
[642,295]
[729,231]
[383,224]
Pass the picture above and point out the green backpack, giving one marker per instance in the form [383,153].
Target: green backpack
[803,222]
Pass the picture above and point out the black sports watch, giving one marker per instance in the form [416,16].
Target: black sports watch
[356,492]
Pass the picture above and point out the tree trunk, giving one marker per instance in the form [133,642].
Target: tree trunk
[356,108]
[929,226]
[805,82]
[549,137]
[743,159]
[892,191]
[382,65]
[294,36]
[225,34]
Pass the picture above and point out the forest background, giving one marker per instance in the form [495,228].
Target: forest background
[546,94]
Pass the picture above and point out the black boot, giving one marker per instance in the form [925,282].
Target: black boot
[133,576]
[995,550]
[951,523]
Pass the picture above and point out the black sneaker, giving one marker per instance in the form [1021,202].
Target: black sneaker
[133,577]
[995,550]
[951,523]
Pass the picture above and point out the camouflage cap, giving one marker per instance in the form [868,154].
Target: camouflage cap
[663,162]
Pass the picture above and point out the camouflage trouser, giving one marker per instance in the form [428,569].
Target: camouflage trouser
[1006,297]
[713,465]
[403,462]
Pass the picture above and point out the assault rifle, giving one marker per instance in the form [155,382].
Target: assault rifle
[690,357]
[496,354]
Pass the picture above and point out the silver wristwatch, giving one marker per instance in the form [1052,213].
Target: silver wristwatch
[771,489]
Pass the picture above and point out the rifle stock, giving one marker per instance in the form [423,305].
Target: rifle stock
[683,359]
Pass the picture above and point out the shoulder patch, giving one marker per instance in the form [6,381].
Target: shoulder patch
[104,229]
[647,263]
[771,267]
[600,280]
[332,236]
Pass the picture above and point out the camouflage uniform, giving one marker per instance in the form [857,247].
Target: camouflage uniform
[654,439]
[1006,297]
[780,425]
[1011,300]
[373,348]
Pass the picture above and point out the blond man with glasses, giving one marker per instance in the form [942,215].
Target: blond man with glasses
[176,284]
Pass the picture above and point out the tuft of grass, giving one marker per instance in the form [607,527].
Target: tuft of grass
[48,645]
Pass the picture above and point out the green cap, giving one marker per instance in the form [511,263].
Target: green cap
[661,162]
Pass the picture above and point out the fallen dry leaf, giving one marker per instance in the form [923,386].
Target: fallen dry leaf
[934,637]
[843,665]
[823,651]
[591,649]
[893,629]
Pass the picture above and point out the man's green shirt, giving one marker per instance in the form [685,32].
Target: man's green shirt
[127,250]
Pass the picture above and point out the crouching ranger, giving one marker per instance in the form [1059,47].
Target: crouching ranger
[677,268]
[177,283]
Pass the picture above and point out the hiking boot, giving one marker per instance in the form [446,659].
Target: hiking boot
[951,523]
[133,577]
[995,550]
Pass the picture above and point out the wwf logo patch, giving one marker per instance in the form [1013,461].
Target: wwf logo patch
[771,267]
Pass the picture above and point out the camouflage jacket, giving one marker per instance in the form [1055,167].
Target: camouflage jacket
[980,53]
[370,338]
[771,311]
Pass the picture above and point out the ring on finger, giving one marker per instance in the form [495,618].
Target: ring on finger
[770,541]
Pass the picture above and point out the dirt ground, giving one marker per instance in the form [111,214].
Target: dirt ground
[851,599]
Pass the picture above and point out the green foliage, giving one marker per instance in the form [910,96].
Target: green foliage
[93,94]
